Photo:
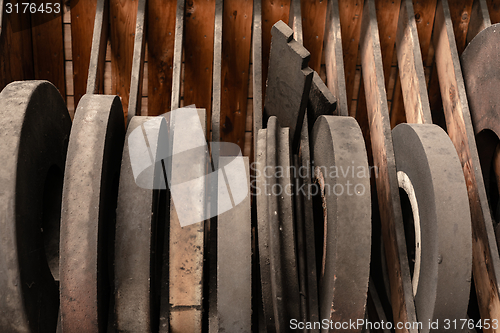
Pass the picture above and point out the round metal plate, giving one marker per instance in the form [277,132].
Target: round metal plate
[341,170]
[34,132]
[430,173]
[88,212]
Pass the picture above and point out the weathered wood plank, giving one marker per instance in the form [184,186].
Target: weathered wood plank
[411,68]
[177,62]
[486,262]
[16,49]
[217,74]
[95,81]
[334,59]
[135,101]
[350,13]
[479,19]
[313,27]
[494,10]
[257,80]
[48,47]
[460,13]
[236,43]
[387,183]
[122,15]
[161,37]
[272,12]
[199,50]
[83,15]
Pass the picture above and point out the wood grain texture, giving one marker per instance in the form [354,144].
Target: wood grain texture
[387,183]
[236,43]
[494,10]
[161,36]
[134,107]
[199,50]
[350,13]
[334,59]
[256,88]
[486,262]
[177,57]
[460,12]
[479,20]
[123,15]
[96,71]
[48,48]
[313,29]
[411,68]
[16,50]
[82,29]
[272,12]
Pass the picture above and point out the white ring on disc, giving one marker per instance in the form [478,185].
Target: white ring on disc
[405,183]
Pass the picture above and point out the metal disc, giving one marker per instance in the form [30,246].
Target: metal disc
[430,172]
[34,132]
[139,231]
[88,212]
[341,170]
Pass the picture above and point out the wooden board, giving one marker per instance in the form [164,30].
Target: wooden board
[122,22]
[16,50]
[411,68]
[494,10]
[199,50]
[460,12]
[272,12]
[48,47]
[83,15]
[387,183]
[313,28]
[334,59]
[236,43]
[257,80]
[350,13]
[134,107]
[217,77]
[161,36]
[177,58]
[424,18]
[486,262]
[479,20]
[95,80]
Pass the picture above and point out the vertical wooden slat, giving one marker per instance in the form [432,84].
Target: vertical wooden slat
[83,15]
[387,183]
[486,261]
[350,13]
[217,74]
[479,20]
[177,58]
[16,50]
[48,47]
[460,12]
[411,68]
[295,21]
[272,12]
[199,50]
[257,79]
[313,27]
[95,81]
[494,10]
[334,59]
[161,37]
[236,43]
[134,106]
[123,14]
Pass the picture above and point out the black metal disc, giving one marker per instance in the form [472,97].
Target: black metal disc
[34,132]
